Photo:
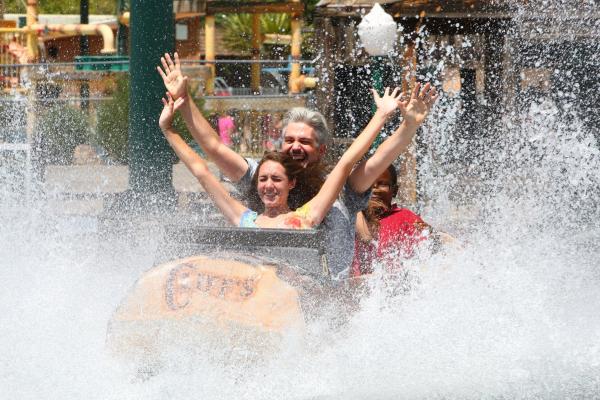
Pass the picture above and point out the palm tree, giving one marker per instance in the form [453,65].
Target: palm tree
[237,30]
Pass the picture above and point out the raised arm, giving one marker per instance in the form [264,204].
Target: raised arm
[228,161]
[414,111]
[231,208]
[318,207]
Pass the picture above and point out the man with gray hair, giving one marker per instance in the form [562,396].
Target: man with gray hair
[306,139]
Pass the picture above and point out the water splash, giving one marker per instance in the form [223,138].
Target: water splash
[513,315]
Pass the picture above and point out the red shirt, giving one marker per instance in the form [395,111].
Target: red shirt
[400,230]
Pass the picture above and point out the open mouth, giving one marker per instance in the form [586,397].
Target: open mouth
[269,196]
[298,155]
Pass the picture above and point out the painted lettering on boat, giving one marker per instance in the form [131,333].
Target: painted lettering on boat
[186,280]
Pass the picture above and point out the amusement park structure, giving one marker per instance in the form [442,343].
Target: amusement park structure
[29,46]
[492,53]
[488,68]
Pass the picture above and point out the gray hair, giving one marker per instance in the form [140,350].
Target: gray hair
[312,118]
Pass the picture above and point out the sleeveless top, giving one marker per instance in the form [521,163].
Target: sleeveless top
[295,221]
[248,219]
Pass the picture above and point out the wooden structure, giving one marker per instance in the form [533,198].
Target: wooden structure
[506,49]
[336,21]
[346,64]
[293,7]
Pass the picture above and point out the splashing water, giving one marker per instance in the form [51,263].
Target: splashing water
[511,315]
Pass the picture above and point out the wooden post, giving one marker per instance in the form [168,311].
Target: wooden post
[209,37]
[407,193]
[325,66]
[32,45]
[255,68]
[410,68]
[296,50]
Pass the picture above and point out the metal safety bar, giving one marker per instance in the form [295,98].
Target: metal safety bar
[302,248]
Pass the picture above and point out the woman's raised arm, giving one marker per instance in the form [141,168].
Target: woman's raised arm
[230,207]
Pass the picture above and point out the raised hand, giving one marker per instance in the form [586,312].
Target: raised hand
[415,109]
[165,121]
[172,77]
[388,103]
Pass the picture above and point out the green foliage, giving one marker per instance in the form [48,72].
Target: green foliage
[237,33]
[63,6]
[309,10]
[113,121]
[60,129]
[237,29]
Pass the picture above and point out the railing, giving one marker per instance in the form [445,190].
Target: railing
[256,118]
[273,80]
[274,76]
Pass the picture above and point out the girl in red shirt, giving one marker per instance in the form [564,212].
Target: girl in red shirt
[385,230]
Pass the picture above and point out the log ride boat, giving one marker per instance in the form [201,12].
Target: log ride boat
[247,285]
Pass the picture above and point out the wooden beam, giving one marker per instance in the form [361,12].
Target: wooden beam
[326,69]
[407,192]
[238,7]
[296,53]
[32,40]
[209,51]
[187,15]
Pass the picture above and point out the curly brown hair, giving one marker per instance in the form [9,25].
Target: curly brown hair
[309,180]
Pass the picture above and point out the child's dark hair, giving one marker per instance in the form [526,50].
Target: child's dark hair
[376,209]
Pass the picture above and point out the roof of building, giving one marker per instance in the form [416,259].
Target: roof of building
[351,3]
[430,8]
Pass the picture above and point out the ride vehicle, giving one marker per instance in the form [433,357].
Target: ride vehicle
[247,287]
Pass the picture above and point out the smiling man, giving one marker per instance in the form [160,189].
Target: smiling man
[306,138]
[304,135]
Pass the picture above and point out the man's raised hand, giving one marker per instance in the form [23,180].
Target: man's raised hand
[388,103]
[415,109]
[175,82]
